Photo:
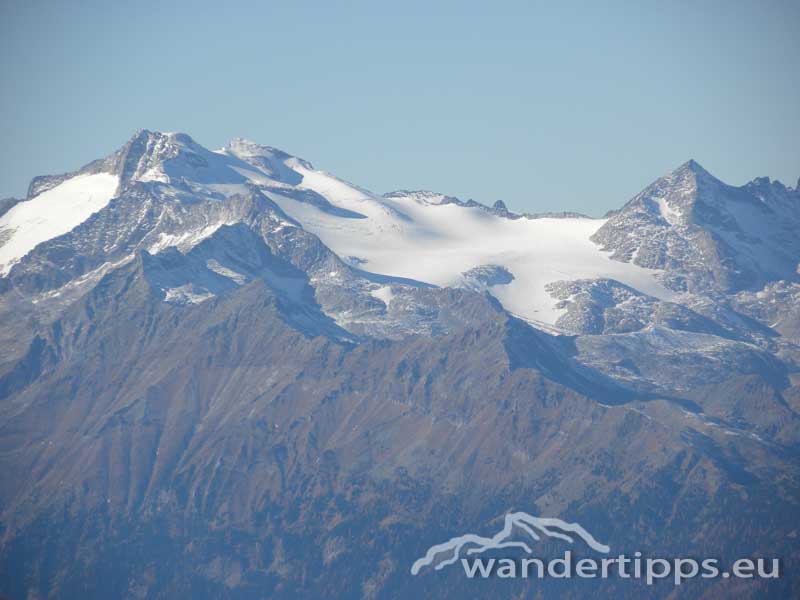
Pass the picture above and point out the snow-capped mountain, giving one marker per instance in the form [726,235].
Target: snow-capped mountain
[704,234]
[674,256]
[210,349]
[687,232]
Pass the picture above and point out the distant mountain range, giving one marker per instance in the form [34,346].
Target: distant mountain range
[225,374]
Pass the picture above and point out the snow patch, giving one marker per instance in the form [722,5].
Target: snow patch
[384,294]
[670,215]
[186,294]
[185,240]
[215,266]
[52,213]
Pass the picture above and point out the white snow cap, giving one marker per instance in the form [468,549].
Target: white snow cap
[51,214]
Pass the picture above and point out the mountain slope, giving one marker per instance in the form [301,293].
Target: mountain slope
[222,453]
[230,375]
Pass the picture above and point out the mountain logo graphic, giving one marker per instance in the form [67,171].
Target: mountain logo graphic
[519,529]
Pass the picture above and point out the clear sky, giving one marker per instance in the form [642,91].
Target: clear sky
[548,106]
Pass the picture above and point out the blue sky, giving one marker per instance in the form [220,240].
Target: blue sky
[548,106]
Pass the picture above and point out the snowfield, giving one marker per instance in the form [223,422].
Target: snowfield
[406,235]
[51,214]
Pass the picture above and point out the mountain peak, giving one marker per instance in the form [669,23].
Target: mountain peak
[244,146]
[694,168]
[690,180]
[147,149]
[143,136]
[273,161]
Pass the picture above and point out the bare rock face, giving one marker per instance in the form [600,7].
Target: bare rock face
[706,235]
[200,398]
[777,306]
[598,306]
[486,276]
